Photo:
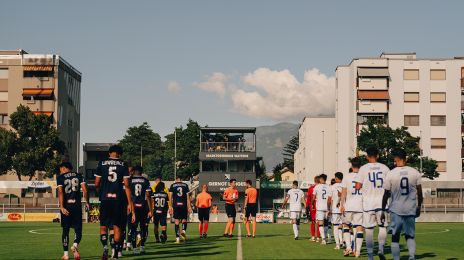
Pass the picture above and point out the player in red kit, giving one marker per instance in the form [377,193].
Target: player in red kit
[311,209]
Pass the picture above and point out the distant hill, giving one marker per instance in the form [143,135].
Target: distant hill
[270,141]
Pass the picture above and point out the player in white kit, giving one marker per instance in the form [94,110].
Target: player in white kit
[334,207]
[352,210]
[370,180]
[295,197]
[403,185]
[321,195]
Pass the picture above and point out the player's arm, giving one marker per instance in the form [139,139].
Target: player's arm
[358,181]
[197,202]
[285,201]
[150,206]
[342,200]
[129,197]
[329,203]
[245,201]
[420,200]
[225,198]
[97,183]
[189,204]
[386,196]
[86,194]
[171,203]
[61,199]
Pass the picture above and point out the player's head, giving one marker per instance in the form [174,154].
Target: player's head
[399,157]
[233,183]
[115,151]
[160,187]
[157,178]
[65,167]
[322,178]
[355,164]
[178,178]
[332,181]
[372,154]
[137,170]
[295,184]
[249,184]
[316,179]
[204,188]
[338,177]
[130,169]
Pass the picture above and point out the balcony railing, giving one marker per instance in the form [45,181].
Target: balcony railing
[462,84]
[228,147]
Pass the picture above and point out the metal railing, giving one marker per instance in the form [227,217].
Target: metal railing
[51,207]
[227,147]
[442,208]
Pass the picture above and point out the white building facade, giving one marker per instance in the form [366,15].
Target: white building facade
[316,152]
[402,90]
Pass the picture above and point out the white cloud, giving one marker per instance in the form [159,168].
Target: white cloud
[174,86]
[215,83]
[279,95]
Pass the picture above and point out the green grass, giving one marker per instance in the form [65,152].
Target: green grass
[274,241]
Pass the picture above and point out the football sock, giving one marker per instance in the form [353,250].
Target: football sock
[395,249]
[176,228]
[200,228]
[65,238]
[247,224]
[205,228]
[321,229]
[77,235]
[76,245]
[370,241]
[164,234]
[347,237]
[411,247]
[144,235]
[66,253]
[359,242]
[104,240]
[157,236]
[295,230]
[254,227]
[313,229]
[184,226]
[353,239]
[231,228]
[382,238]
[227,228]
[335,234]
[112,241]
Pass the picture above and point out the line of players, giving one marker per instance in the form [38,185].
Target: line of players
[356,203]
[128,199]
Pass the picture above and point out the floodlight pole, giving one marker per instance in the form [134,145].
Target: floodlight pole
[175,153]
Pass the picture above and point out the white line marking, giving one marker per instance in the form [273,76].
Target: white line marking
[37,232]
[239,243]
[434,232]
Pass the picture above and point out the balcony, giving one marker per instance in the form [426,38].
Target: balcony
[228,147]
[372,107]
[462,84]
[372,83]
[373,95]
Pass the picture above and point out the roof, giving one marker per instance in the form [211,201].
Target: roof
[228,129]
[97,146]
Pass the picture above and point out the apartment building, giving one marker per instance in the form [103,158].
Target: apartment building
[316,151]
[48,85]
[402,90]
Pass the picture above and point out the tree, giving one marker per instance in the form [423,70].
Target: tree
[33,146]
[188,147]
[289,151]
[260,169]
[278,172]
[387,139]
[141,143]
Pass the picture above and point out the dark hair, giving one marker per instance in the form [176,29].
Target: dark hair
[249,182]
[160,187]
[323,176]
[339,175]
[232,180]
[295,183]
[67,165]
[178,177]
[372,151]
[115,149]
[355,163]
[332,181]
[400,153]
[138,169]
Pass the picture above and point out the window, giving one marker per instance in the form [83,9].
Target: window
[4,119]
[441,166]
[214,166]
[411,120]
[438,143]
[70,123]
[437,74]
[438,120]
[38,74]
[411,96]
[3,73]
[438,97]
[411,74]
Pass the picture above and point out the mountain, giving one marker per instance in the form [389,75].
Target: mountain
[271,139]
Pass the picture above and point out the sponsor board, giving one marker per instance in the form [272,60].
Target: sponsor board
[284,185]
[11,217]
[265,217]
[231,156]
[219,181]
[27,184]
[29,217]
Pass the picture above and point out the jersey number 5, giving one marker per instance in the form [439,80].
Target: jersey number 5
[112,175]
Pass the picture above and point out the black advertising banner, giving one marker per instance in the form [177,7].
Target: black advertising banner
[227,156]
[218,181]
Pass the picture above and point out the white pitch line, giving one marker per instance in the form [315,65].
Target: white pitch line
[434,232]
[239,243]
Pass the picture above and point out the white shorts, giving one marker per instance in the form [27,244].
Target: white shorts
[353,218]
[321,215]
[295,214]
[372,219]
[337,219]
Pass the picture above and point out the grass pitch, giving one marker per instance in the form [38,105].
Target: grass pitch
[274,241]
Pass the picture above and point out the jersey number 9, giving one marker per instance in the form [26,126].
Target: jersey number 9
[404,185]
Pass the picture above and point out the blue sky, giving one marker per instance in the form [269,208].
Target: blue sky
[222,63]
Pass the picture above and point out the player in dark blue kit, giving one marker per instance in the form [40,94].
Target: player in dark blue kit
[160,201]
[180,207]
[141,191]
[69,193]
[111,176]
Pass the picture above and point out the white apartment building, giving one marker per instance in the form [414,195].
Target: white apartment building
[316,152]
[403,90]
